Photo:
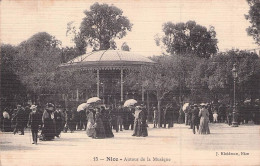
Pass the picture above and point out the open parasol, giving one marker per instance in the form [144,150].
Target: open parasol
[82,106]
[130,102]
[93,100]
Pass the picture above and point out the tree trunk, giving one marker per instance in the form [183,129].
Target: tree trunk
[159,111]
[148,107]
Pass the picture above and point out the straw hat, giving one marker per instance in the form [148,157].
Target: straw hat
[33,107]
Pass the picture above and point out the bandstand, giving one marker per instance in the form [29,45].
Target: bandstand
[110,67]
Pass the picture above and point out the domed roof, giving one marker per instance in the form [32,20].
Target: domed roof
[108,58]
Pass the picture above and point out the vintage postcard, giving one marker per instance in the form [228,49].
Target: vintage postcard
[130,82]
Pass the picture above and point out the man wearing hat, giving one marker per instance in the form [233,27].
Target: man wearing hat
[58,120]
[34,121]
[19,119]
[195,118]
[119,114]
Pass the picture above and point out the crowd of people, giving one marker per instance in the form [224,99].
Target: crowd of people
[198,118]
[99,121]
[218,113]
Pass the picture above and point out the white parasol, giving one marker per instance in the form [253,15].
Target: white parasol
[247,101]
[130,102]
[185,106]
[6,115]
[93,100]
[82,106]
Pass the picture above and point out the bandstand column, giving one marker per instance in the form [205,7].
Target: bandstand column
[98,83]
[122,85]
[142,93]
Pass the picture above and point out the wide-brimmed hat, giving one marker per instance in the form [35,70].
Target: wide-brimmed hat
[48,105]
[33,107]
[138,107]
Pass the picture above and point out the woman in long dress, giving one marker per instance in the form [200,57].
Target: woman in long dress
[204,121]
[99,127]
[6,121]
[106,123]
[140,127]
[90,125]
[48,129]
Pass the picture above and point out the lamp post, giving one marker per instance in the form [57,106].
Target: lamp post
[234,121]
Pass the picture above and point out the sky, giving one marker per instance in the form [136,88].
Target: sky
[21,19]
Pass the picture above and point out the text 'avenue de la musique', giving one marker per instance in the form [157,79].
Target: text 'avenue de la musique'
[128,159]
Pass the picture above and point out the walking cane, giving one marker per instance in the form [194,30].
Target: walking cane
[30,134]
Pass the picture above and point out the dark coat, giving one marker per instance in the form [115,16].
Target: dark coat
[99,127]
[195,116]
[19,117]
[140,126]
[34,120]
[106,124]
[49,129]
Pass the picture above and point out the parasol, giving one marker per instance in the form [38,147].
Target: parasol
[130,102]
[185,106]
[93,100]
[82,106]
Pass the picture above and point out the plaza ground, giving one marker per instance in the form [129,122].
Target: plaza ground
[178,144]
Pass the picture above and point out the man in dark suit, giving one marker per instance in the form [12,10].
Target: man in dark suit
[58,121]
[119,114]
[19,119]
[195,120]
[169,116]
[34,122]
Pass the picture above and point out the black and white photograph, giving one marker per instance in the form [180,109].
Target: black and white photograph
[129,82]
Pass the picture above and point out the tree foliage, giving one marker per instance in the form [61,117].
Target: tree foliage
[68,53]
[11,86]
[168,76]
[102,24]
[189,38]
[125,47]
[214,76]
[254,18]
[71,80]
[36,61]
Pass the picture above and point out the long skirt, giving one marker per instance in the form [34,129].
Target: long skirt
[90,129]
[48,131]
[204,126]
[141,130]
[99,130]
[107,128]
[7,125]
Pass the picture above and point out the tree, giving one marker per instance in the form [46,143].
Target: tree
[36,62]
[11,86]
[189,38]
[102,24]
[254,18]
[212,78]
[68,81]
[125,47]
[167,77]
[158,79]
[77,38]
[68,53]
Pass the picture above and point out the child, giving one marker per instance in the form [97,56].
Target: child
[155,117]
[215,117]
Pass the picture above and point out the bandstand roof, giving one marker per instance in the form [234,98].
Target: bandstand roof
[108,60]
